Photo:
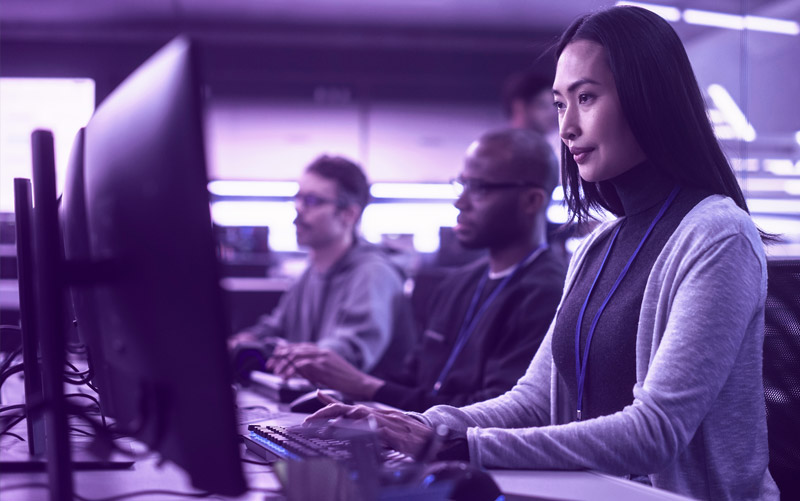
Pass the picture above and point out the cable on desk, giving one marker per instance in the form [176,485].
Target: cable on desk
[10,372]
[84,395]
[150,492]
[10,358]
[13,423]
[105,433]
[96,402]
[84,377]
[10,434]
[29,485]
[82,432]
[12,407]
[76,371]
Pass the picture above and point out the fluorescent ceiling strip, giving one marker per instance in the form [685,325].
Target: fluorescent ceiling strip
[716,19]
[260,213]
[734,22]
[770,206]
[734,116]
[230,188]
[771,25]
[424,191]
[668,13]
[775,185]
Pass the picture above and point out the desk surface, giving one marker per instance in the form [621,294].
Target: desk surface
[148,474]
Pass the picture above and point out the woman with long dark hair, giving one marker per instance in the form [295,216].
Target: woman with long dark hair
[652,365]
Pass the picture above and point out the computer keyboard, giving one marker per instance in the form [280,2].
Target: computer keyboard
[273,442]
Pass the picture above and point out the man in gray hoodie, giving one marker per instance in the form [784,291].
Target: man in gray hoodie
[350,298]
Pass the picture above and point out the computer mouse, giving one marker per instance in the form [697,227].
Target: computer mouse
[308,403]
[469,483]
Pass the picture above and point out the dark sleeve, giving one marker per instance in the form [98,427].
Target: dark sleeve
[514,344]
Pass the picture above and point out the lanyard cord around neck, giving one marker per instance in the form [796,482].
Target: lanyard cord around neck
[472,317]
[580,364]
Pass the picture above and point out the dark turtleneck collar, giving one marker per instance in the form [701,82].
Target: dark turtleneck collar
[642,187]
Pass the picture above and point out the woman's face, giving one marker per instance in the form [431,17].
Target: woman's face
[590,118]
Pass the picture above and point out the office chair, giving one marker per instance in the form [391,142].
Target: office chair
[782,373]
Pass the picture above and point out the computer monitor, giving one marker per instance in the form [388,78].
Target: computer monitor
[149,288]
[81,272]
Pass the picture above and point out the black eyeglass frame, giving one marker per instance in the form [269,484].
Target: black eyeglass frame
[310,200]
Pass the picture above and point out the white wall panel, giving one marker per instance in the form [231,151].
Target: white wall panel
[423,143]
[276,140]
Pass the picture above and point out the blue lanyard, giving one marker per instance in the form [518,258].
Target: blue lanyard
[580,364]
[472,318]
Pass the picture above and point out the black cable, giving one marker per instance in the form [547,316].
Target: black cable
[75,382]
[14,435]
[83,395]
[250,461]
[13,424]
[82,432]
[76,371]
[149,492]
[10,358]
[10,372]
[96,402]
[84,377]
[12,407]
[29,485]
[104,433]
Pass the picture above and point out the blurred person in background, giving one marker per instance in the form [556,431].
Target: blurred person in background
[350,299]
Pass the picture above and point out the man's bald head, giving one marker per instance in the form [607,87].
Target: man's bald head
[523,154]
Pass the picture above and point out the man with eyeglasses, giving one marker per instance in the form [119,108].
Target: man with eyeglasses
[486,320]
[350,298]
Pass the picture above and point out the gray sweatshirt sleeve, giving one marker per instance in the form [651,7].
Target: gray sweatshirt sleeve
[713,298]
[362,328]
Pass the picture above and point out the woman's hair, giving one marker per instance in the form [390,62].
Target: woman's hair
[661,101]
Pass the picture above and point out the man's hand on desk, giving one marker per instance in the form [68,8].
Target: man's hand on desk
[396,429]
[324,367]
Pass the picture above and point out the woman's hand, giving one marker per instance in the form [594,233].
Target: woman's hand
[396,429]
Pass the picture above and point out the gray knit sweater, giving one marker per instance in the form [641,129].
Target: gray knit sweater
[697,425]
